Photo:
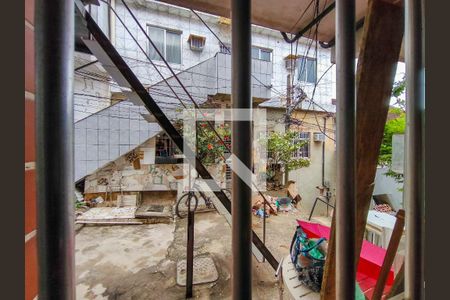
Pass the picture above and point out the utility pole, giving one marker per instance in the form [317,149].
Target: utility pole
[287,118]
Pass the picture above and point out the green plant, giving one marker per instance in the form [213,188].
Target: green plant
[398,93]
[281,150]
[210,148]
[80,204]
[395,125]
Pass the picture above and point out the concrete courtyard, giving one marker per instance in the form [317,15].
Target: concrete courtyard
[140,261]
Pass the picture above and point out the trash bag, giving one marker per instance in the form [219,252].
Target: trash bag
[308,257]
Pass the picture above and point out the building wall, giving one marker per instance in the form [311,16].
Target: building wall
[104,136]
[108,133]
[387,185]
[148,176]
[307,178]
[121,172]
[171,17]
[31,273]
[199,76]
[91,89]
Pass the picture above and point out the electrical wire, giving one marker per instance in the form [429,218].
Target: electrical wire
[301,16]
[171,70]
[228,49]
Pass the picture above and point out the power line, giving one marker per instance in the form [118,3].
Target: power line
[228,49]
[301,16]
[86,65]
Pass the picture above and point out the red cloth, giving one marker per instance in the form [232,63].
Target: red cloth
[371,258]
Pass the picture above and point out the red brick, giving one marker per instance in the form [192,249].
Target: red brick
[31,274]
[29,60]
[29,11]
[30,201]
[30,131]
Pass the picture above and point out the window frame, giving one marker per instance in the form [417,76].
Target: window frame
[260,49]
[300,138]
[165,29]
[224,50]
[307,58]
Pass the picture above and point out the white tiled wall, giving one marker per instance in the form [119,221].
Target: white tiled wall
[171,17]
[104,136]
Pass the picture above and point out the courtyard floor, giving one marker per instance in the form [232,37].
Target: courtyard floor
[140,261]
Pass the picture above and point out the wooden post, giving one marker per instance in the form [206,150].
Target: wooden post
[399,283]
[377,63]
[390,255]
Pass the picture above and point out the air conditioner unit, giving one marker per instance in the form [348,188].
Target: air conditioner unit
[196,42]
[319,137]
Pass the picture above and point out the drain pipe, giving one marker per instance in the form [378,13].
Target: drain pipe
[54,41]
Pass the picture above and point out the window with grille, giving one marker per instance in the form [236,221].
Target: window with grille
[168,43]
[196,42]
[225,48]
[261,53]
[303,151]
[257,53]
[307,69]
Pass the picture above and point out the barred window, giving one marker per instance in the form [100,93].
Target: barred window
[303,151]
[225,48]
[257,52]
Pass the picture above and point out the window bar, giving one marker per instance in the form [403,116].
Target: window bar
[414,196]
[264,226]
[346,115]
[54,40]
[241,284]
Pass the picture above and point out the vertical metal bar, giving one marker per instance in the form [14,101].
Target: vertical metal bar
[190,252]
[241,148]
[264,226]
[323,162]
[414,192]
[346,149]
[323,153]
[54,41]
[312,210]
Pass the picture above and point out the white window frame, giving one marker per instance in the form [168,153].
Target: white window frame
[223,50]
[180,33]
[306,69]
[263,49]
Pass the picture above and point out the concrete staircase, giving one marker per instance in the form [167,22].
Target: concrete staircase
[119,128]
